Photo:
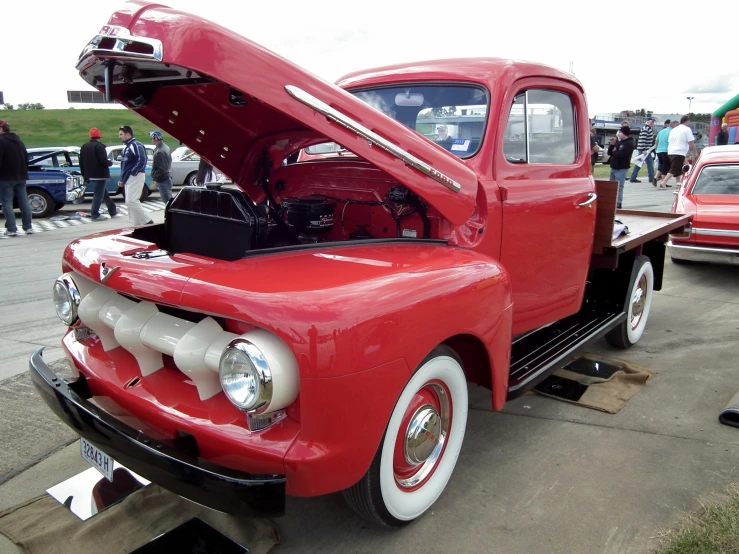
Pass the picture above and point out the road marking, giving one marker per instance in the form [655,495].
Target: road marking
[44,225]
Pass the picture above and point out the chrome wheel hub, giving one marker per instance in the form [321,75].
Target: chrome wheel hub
[37,203]
[421,438]
[638,300]
[422,435]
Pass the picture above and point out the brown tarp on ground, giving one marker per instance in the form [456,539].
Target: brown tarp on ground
[43,526]
[607,395]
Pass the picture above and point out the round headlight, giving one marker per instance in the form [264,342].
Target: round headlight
[66,299]
[245,376]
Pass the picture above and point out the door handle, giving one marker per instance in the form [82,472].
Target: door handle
[592,197]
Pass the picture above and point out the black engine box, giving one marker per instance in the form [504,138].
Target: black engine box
[221,223]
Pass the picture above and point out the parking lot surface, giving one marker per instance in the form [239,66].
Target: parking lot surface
[541,476]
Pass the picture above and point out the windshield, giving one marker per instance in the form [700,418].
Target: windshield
[452,116]
[325,148]
[718,179]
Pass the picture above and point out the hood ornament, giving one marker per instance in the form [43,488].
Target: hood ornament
[106,272]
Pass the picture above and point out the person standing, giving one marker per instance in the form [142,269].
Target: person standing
[663,160]
[95,168]
[681,140]
[161,170]
[620,151]
[133,175]
[722,138]
[13,177]
[645,142]
[594,149]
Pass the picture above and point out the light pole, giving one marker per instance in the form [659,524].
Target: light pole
[690,101]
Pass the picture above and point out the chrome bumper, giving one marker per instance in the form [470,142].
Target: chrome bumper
[698,253]
[75,193]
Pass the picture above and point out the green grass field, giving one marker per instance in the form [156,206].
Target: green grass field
[39,128]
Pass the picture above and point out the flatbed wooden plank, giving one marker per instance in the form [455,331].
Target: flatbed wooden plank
[645,226]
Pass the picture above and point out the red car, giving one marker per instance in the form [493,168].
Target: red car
[710,193]
[313,329]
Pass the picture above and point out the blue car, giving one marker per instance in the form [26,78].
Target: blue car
[67,158]
[48,190]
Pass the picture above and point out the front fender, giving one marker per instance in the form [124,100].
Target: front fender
[359,320]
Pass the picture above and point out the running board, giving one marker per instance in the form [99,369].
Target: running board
[537,354]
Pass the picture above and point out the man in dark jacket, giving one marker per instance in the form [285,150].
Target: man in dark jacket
[620,152]
[161,169]
[94,164]
[13,177]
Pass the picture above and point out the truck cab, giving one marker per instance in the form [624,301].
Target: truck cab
[245,340]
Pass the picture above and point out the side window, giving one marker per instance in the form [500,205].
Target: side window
[547,134]
[48,162]
[514,140]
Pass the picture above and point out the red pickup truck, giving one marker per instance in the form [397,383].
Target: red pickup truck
[314,328]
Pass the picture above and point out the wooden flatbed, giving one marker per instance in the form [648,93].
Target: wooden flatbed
[643,226]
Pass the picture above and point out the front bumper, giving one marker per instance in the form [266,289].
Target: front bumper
[185,474]
[75,193]
[702,253]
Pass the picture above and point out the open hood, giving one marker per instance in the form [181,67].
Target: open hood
[231,101]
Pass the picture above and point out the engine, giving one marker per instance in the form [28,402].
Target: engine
[224,223]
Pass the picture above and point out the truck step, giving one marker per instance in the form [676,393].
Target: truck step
[536,355]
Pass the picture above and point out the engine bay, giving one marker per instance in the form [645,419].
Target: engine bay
[296,204]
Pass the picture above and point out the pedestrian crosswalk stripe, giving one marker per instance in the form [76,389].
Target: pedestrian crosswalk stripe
[41,226]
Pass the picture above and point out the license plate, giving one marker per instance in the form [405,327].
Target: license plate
[97,459]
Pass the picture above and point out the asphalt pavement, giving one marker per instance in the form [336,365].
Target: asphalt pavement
[541,476]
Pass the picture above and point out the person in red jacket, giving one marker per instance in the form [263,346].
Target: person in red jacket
[13,177]
[94,165]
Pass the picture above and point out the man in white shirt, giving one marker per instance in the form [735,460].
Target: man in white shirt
[681,140]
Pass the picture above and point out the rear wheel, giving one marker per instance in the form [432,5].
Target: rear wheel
[41,202]
[420,447]
[59,205]
[639,297]
[190,179]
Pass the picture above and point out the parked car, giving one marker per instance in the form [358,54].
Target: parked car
[184,167]
[68,157]
[710,194]
[49,190]
[314,328]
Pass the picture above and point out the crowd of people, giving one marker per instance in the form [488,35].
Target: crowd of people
[95,168]
[671,147]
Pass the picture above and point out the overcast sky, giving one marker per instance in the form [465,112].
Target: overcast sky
[628,54]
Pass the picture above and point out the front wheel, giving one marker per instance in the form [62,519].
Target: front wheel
[41,202]
[420,447]
[640,292]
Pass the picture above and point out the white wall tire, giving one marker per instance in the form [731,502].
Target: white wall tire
[419,451]
[641,289]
